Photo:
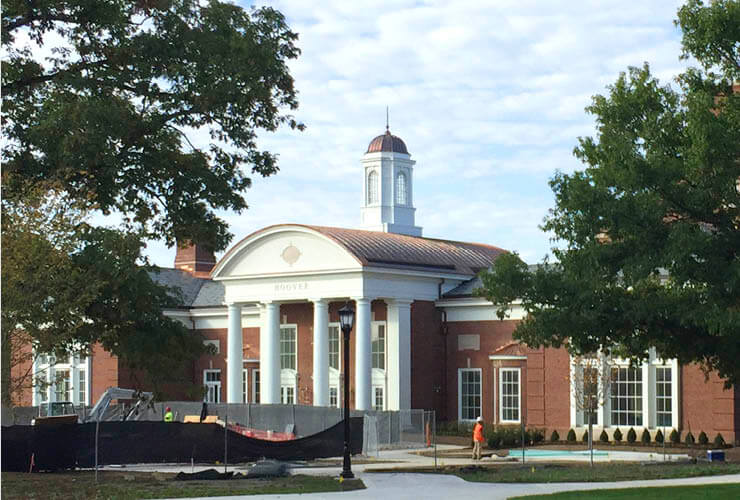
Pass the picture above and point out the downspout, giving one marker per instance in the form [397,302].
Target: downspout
[443,332]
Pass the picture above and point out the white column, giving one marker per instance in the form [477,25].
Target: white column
[363,355]
[320,352]
[270,353]
[399,354]
[234,355]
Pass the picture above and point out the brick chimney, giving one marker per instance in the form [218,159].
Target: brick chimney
[195,259]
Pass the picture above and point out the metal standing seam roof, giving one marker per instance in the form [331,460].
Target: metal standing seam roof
[387,143]
[375,248]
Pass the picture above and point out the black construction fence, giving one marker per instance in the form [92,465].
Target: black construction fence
[73,445]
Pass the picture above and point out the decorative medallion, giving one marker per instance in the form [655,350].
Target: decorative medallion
[291,254]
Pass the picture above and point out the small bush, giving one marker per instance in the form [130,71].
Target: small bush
[645,437]
[604,437]
[554,437]
[675,437]
[510,436]
[659,436]
[689,439]
[571,436]
[538,435]
[617,436]
[631,435]
[719,441]
[703,439]
[493,438]
[585,437]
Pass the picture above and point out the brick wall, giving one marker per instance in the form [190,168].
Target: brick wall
[427,357]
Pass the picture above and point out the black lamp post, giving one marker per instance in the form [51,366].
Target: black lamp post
[346,318]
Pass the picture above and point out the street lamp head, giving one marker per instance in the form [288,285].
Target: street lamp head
[346,317]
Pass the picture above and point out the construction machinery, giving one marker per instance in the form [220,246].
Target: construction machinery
[98,411]
[56,413]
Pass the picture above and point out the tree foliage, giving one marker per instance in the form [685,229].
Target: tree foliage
[649,230]
[109,115]
[147,110]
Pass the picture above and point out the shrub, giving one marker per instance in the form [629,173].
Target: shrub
[571,436]
[675,437]
[554,437]
[510,436]
[703,439]
[631,435]
[617,436]
[604,437]
[585,437]
[689,439]
[659,436]
[538,435]
[493,438]
[645,437]
[719,441]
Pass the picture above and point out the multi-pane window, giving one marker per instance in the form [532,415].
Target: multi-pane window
[378,347]
[255,386]
[378,399]
[63,379]
[244,385]
[333,396]
[63,385]
[510,394]
[470,393]
[212,383]
[401,189]
[288,347]
[334,347]
[626,396]
[372,188]
[590,395]
[663,395]
[287,395]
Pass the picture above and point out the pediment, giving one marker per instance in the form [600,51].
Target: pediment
[282,250]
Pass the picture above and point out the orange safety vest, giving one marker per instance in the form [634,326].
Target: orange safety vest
[478,432]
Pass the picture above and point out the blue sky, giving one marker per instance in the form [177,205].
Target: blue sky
[488,96]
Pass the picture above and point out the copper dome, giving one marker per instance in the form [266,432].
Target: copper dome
[387,143]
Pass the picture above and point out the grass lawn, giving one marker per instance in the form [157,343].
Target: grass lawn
[707,491]
[569,472]
[135,485]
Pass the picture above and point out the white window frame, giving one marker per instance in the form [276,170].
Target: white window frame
[339,346]
[644,388]
[284,394]
[518,371]
[375,406]
[373,188]
[215,385]
[375,334]
[460,395]
[256,385]
[294,327]
[245,385]
[402,192]
[338,401]
[46,371]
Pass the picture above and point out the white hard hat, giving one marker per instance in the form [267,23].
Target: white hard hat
[480,419]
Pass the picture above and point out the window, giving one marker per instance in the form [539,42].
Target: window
[590,395]
[626,396]
[334,347]
[510,394]
[378,346]
[288,347]
[255,386]
[378,399]
[212,382]
[244,386]
[469,385]
[81,387]
[372,188]
[63,385]
[334,396]
[663,395]
[287,395]
[401,189]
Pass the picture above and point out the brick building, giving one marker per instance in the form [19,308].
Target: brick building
[422,339]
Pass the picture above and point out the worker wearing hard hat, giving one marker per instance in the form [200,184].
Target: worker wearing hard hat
[477,438]
[168,416]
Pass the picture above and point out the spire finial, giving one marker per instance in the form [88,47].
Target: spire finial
[387,121]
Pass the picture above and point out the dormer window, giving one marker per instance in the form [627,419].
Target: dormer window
[401,186]
[372,188]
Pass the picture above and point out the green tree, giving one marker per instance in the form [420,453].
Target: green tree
[148,110]
[650,228]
